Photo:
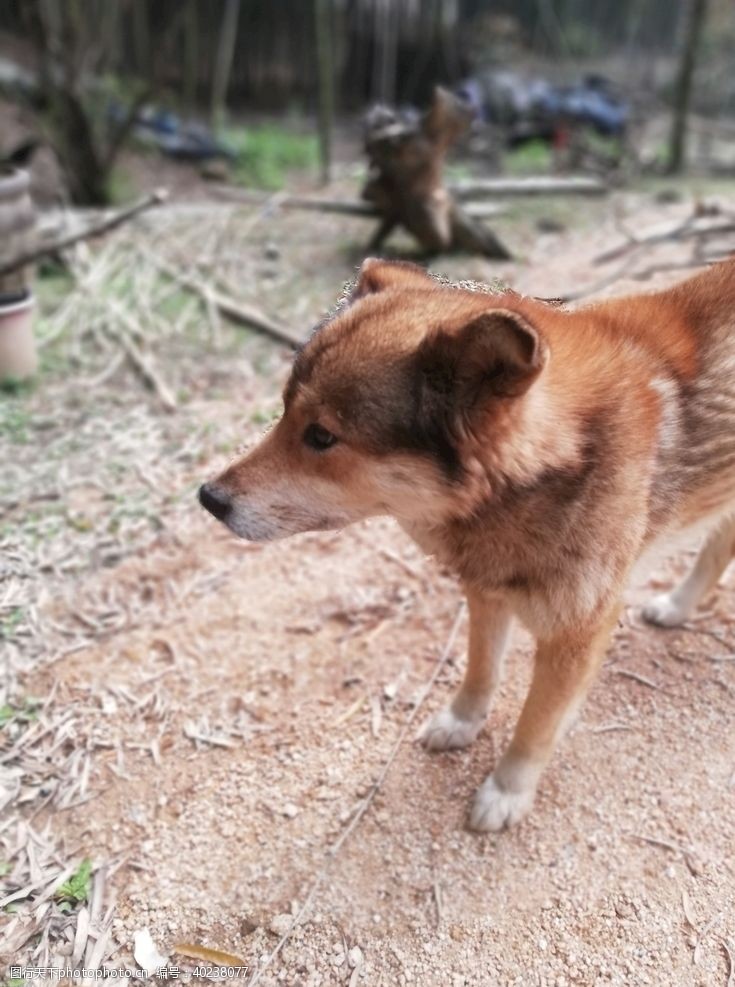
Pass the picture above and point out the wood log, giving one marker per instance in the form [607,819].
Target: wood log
[540,185]
[105,225]
[344,207]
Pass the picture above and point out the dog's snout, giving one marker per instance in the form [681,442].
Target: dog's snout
[215,500]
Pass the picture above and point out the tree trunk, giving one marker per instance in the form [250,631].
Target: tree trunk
[223,62]
[696,17]
[141,38]
[325,73]
[191,55]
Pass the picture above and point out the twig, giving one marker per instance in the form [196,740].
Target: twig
[145,366]
[687,853]
[688,265]
[637,678]
[730,963]
[236,311]
[123,333]
[682,231]
[707,633]
[611,727]
[333,851]
[656,841]
[350,712]
[438,902]
[592,289]
[123,216]
[633,241]
[387,553]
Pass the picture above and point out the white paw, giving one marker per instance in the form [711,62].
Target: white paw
[664,611]
[446,731]
[494,808]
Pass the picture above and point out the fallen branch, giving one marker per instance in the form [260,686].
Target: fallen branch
[693,264]
[343,207]
[366,802]
[105,226]
[235,311]
[143,363]
[574,185]
[596,286]
[682,231]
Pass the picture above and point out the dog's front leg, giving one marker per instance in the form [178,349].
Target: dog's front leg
[458,724]
[565,666]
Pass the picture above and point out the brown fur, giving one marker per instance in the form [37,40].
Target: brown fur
[537,451]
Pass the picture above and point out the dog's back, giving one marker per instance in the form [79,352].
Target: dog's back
[685,343]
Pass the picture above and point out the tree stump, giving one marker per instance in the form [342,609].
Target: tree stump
[406,152]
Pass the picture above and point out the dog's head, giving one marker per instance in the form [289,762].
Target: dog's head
[385,404]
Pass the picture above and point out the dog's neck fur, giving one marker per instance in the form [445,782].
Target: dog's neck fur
[529,488]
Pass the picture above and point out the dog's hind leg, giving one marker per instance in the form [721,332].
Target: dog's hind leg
[564,669]
[674,608]
[459,723]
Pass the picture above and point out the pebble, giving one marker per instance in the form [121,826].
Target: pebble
[280,924]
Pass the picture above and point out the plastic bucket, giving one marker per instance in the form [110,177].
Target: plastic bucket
[18,357]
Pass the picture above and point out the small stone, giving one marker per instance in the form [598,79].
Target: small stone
[290,810]
[280,924]
[354,957]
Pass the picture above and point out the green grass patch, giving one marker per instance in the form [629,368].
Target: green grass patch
[14,419]
[77,888]
[532,158]
[9,623]
[27,713]
[267,154]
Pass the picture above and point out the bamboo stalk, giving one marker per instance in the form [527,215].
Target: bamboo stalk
[105,226]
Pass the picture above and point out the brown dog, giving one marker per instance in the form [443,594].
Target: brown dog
[536,451]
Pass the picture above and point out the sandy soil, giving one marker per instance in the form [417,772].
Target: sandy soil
[237,720]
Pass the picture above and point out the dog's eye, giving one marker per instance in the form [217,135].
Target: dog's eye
[319,438]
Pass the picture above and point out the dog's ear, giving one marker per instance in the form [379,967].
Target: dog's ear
[379,275]
[497,354]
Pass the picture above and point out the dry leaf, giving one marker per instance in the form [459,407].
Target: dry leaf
[146,952]
[195,952]
[688,913]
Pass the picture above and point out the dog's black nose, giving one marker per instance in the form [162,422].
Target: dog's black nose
[215,500]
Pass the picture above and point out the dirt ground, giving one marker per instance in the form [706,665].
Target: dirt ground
[222,709]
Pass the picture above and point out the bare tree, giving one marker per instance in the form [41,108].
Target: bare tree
[77,47]
[696,16]
[325,72]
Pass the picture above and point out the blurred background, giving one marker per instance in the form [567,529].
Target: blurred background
[188,722]
[117,90]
